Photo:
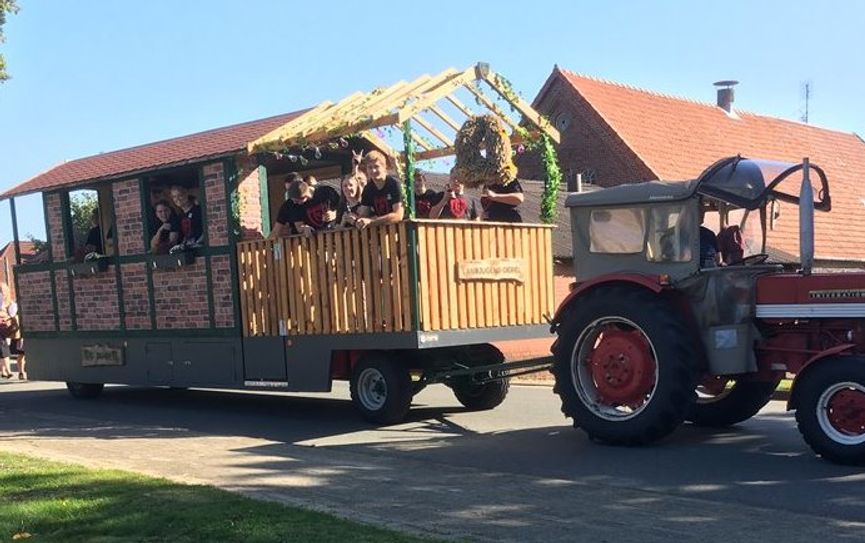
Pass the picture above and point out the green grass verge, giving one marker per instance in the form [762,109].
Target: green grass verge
[68,503]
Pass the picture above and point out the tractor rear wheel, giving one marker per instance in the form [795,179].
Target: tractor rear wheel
[624,366]
[830,409]
[84,391]
[723,402]
[480,396]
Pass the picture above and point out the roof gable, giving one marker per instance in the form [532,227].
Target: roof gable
[166,153]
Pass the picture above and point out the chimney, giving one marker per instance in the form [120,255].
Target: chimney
[725,94]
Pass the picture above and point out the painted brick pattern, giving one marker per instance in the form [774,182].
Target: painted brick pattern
[223,305]
[217,207]
[55,227]
[64,305]
[96,305]
[249,195]
[130,221]
[136,303]
[181,297]
[34,299]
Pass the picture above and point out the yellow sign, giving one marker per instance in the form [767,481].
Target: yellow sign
[492,269]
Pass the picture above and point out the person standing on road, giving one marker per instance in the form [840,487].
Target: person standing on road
[9,332]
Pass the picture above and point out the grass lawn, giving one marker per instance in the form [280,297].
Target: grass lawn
[68,503]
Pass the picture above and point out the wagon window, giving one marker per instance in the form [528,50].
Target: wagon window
[91,223]
[180,193]
[620,230]
[669,238]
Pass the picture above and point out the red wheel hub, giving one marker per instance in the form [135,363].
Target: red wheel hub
[846,411]
[622,367]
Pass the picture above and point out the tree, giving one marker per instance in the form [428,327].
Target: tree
[82,205]
[6,7]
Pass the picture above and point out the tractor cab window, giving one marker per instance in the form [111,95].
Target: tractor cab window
[91,223]
[620,230]
[670,234]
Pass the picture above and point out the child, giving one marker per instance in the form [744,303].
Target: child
[424,198]
[381,201]
[314,209]
[500,202]
[191,226]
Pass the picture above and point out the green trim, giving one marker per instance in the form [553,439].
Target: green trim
[155,334]
[144,231]
[47,229]
[151,296]
[72,309]
[145,218]
[126,259]
[233,232]
[208,273]
[20,312]
[264,197]
[411,228]
[121,303]
[66,220]
[15,239]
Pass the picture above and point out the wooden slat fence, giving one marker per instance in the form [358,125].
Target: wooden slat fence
[358,281]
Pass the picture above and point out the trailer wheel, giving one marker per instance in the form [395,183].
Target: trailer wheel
[381,389]
[624,366]
[475,396]
[723,402]
[84,390]
[830,409]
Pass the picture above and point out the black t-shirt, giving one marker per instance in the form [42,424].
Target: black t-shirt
[708,248]
[497,211]
[424,202]
[312,211]
[458,207]
[94,238]
[174,223]
[190,224]
[381,201]
[285,213]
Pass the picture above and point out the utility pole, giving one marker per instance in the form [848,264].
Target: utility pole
[807,101]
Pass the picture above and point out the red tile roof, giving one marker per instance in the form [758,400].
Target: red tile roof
[677,138]
[176,151]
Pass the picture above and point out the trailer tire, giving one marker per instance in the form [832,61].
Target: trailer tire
[737,404]
[624,365]
[830,396]
[381,389]
[480,397]
[84,391]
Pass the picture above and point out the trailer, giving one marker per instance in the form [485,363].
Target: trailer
[391,308]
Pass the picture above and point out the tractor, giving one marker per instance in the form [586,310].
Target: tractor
[657,330]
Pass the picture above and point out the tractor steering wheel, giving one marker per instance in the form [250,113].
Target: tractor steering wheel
[751,260]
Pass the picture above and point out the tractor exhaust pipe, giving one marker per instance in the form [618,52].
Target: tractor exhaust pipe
[806,220]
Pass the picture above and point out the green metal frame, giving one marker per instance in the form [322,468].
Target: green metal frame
[208,272]
[264,198]
[412,229]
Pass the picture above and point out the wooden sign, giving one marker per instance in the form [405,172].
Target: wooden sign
[492,269]
[101,355]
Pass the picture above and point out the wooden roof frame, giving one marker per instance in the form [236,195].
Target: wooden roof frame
[361,113]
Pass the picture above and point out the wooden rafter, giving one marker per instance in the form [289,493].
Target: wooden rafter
[445,117]
[516,139]
[490,105]
[445,89]
[494,81]
[432,129]
[460,106]
[278,133]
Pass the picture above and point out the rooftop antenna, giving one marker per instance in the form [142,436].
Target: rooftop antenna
[807,92]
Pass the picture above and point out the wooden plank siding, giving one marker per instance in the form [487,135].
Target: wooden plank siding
[350,281]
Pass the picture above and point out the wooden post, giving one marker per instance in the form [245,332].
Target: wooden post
[15,232]
[412,230]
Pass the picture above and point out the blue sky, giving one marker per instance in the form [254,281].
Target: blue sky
[92,76]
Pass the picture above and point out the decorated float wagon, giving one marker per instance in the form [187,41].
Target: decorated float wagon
[392,308]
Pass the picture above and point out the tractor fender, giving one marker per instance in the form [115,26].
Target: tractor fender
[832,351]
[651,282]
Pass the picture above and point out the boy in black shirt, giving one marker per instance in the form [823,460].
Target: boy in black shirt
[424,199]
[313,209]
[453,204]
[500,202]
[381,201]
[283,225]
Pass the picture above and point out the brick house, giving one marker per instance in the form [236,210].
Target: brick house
[613,133]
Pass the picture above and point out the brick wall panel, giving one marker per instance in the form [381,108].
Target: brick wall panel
[129,217]
[136,303]
[35,301]
[217,206]
[64,306]
[249,196]
[181,297]
[96,306]
[55,226]
[223,304]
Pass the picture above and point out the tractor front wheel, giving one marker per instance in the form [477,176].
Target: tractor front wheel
[723,402]
[830,409]
[624,366]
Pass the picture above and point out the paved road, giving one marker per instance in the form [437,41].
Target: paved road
[518,473]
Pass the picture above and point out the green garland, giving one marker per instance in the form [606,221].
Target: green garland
[552,180]
[409,167]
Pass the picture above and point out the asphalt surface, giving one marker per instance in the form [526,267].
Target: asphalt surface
[517,473]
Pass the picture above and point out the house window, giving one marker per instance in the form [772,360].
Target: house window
[91,223]
[562,121]
[619,231]
[175,214]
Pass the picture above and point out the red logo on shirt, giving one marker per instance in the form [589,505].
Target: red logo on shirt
[458,207]
[382,205]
